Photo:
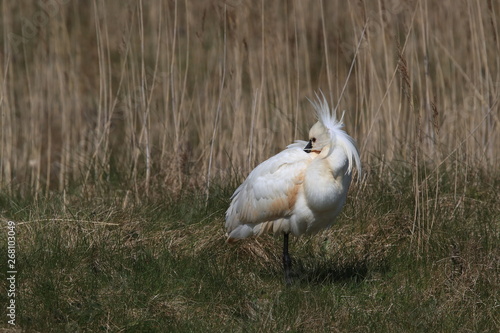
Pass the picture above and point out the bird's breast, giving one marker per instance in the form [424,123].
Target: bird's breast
[324,189]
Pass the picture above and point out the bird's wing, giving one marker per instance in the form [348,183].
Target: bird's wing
[270,190]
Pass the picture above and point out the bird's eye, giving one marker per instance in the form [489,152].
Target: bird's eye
[313,139]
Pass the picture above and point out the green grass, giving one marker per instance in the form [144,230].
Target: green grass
[89,264]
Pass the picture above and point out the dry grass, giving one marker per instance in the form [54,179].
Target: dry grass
[172,94]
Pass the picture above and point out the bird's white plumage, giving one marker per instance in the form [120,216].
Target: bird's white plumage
[295,191]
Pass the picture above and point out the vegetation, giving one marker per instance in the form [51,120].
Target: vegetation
[125,127]
[163,265]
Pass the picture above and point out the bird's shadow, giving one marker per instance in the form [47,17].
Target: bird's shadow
[313,271]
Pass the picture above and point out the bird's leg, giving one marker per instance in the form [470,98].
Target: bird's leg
[287,262]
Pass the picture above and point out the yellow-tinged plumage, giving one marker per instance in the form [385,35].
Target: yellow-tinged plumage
[296,191]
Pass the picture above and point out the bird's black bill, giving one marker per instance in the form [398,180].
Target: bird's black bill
[309,146]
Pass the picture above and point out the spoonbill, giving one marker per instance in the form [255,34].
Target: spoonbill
[299,191]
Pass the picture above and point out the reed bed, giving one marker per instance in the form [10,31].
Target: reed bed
[175,94]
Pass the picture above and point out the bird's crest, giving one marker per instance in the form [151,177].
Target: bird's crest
[335,131]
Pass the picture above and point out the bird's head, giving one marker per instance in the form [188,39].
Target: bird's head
[327,133]
[319,138]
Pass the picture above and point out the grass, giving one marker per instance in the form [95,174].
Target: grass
[88,264]
[125,127]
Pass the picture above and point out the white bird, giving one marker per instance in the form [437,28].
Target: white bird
[301,190]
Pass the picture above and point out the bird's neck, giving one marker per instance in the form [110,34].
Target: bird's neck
[336,160]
